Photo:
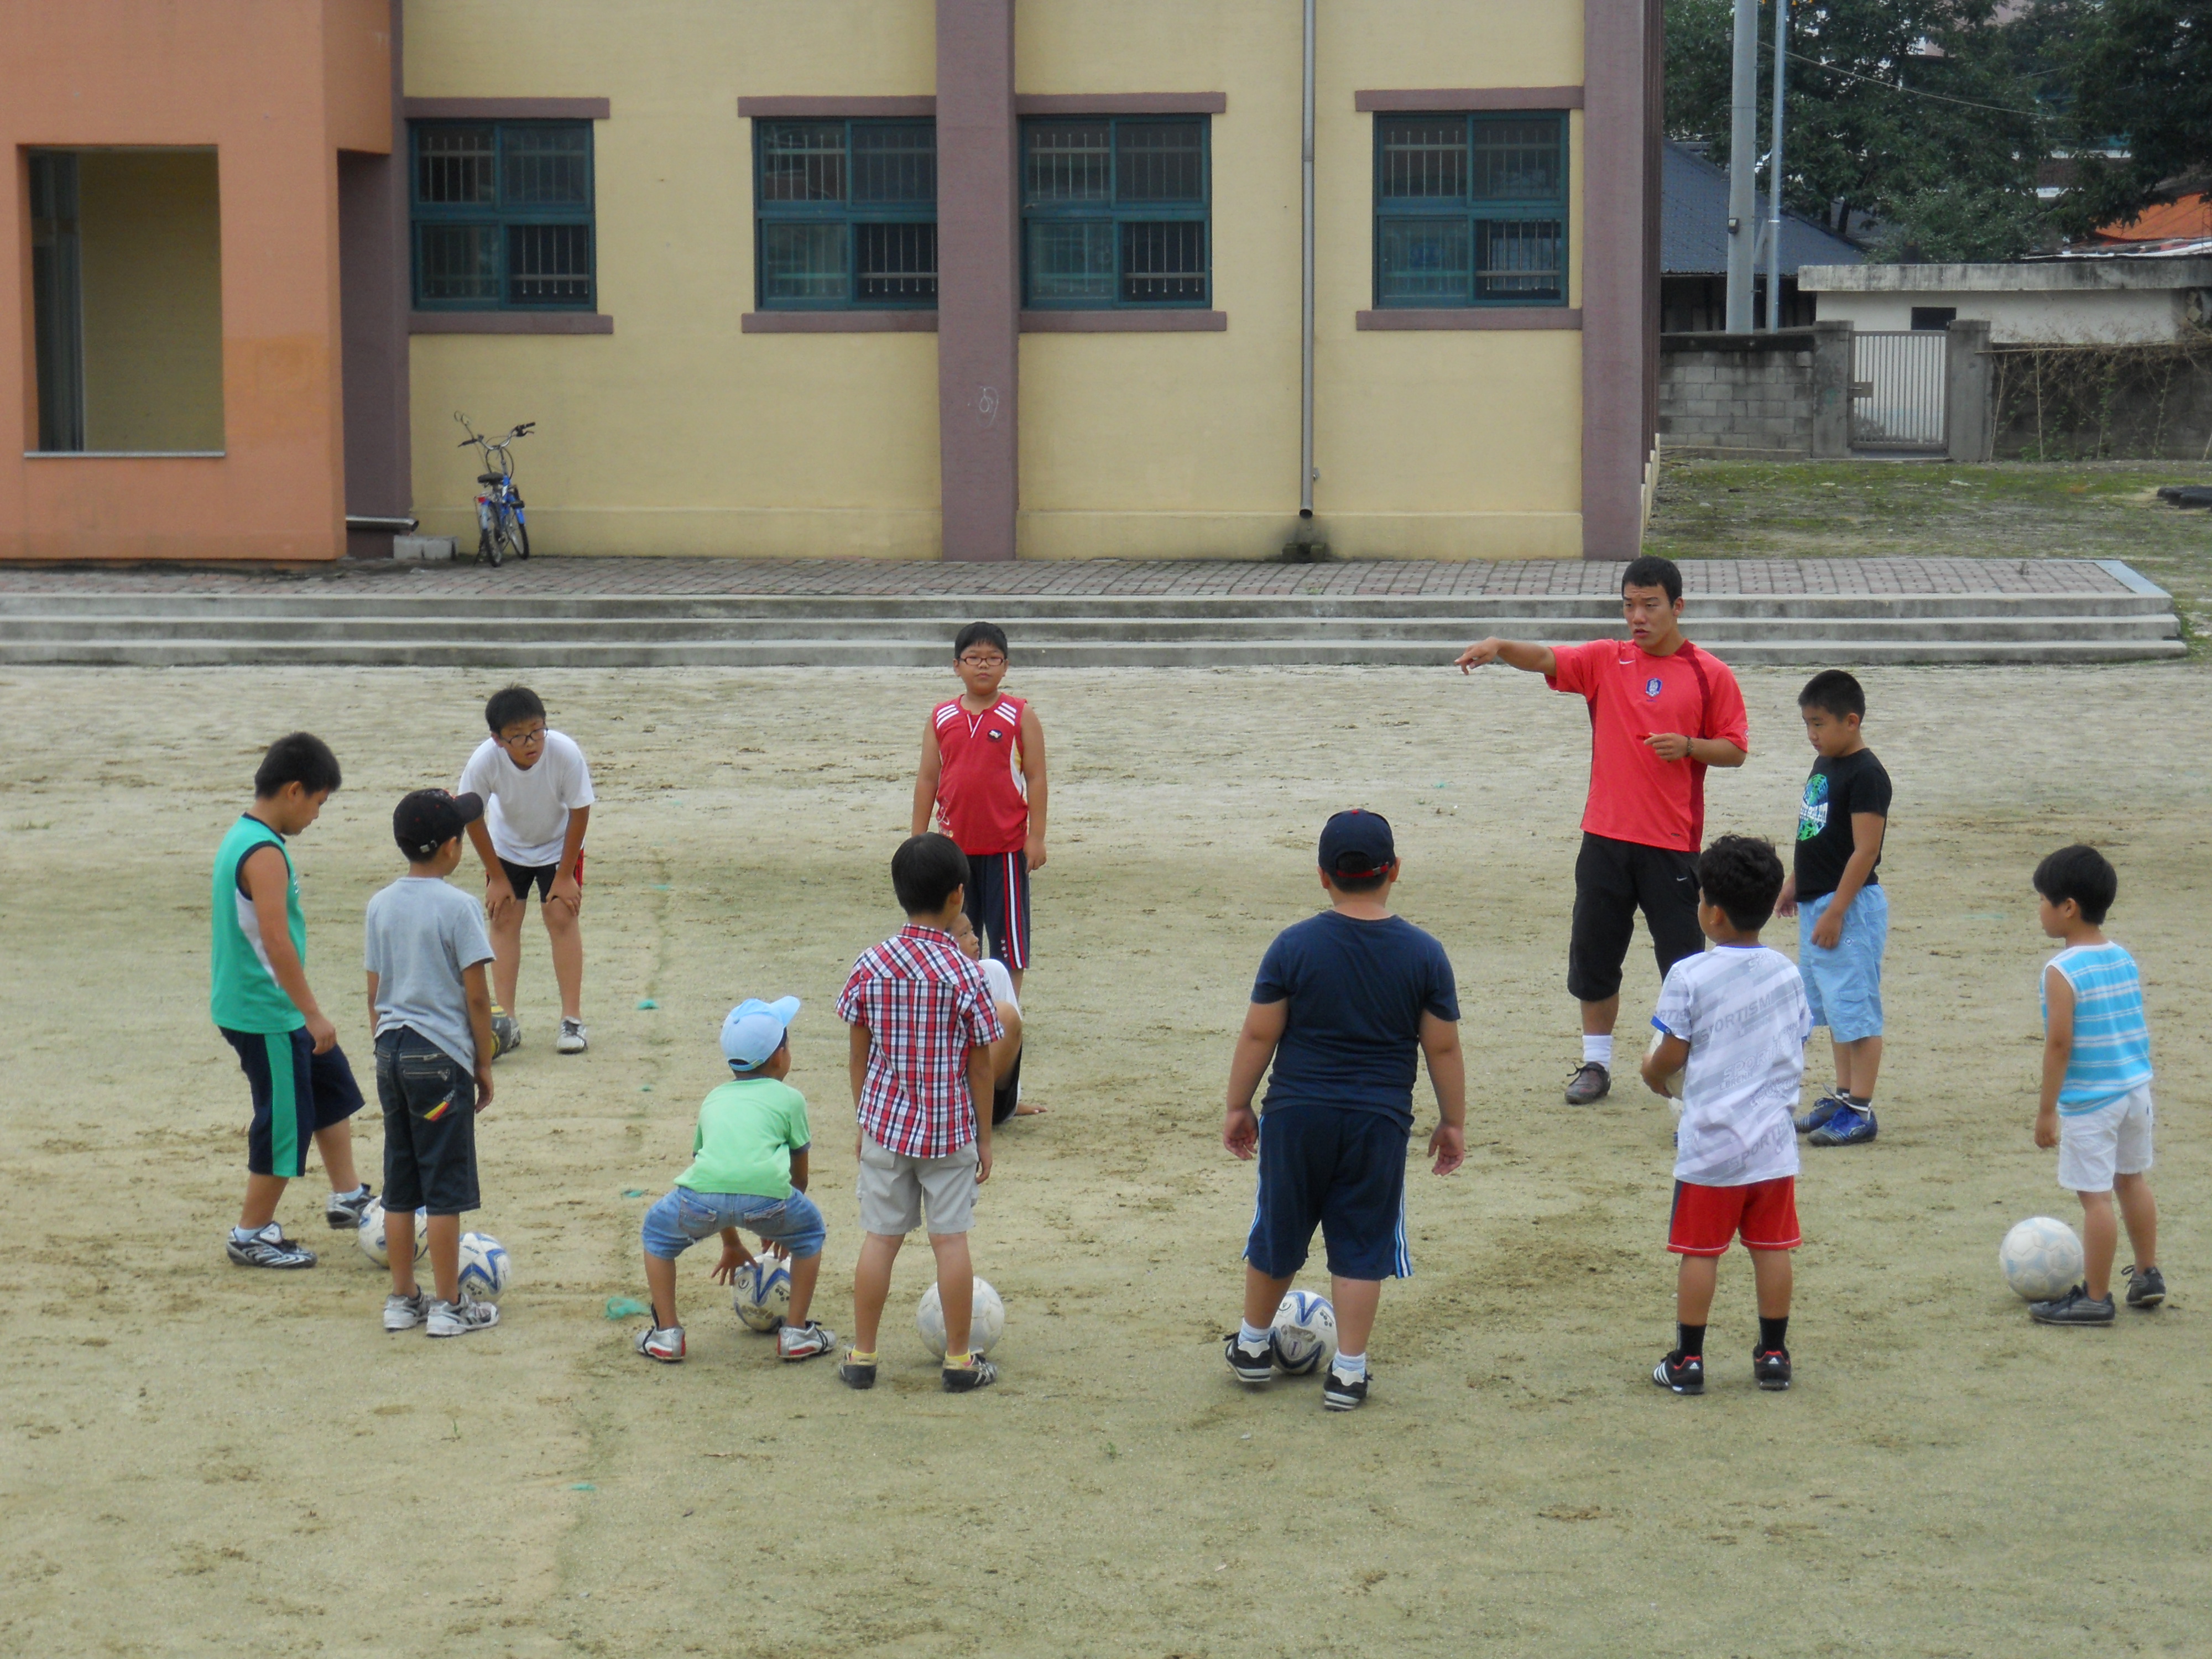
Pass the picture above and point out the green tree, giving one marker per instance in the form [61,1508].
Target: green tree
[1921,113]
[2139,76]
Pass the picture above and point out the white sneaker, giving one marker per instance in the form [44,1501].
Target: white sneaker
[267,1249]
[405,1313]
[804,1341]
[459,1318]
[573,1039]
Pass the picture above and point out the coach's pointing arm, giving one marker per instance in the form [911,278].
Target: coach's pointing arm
[1529,658]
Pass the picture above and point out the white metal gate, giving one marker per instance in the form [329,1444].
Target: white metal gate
[1897,389]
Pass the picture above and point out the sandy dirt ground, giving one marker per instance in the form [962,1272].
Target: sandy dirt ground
[198,1459]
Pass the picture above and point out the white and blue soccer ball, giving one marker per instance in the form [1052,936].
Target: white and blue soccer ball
[764,1292]
[485,1270]
[1305,1333]
[986,1324]
[2041,1259]
[369,1234]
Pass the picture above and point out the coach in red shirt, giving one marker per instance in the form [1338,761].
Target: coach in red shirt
[1662,711]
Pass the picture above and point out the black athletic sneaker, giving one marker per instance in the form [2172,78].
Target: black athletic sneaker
[2077,1306]
[1591,1082]
[1344,1393]
[268,1248]
[1253,1366]
[2146,1286]
[1683,1374]
[855,1375]
[966,1379]
[1770,1368]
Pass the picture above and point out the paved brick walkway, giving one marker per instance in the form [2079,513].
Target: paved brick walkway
[1092,577]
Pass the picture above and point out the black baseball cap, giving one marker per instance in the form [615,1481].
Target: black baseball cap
[1357,843]
[426,820]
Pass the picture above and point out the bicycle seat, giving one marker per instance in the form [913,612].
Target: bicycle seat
[490,479]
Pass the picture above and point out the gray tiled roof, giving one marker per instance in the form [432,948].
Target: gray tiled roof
[1693,223]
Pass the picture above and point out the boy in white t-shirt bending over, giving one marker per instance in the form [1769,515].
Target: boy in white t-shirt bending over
[1733,1020]
[538,791]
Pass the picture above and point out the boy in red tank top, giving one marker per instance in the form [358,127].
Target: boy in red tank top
[982,776]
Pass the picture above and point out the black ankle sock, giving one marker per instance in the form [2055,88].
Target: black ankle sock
[1693,1341]
[1773,1334]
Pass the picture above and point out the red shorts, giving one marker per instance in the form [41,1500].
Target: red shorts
[1706,1219]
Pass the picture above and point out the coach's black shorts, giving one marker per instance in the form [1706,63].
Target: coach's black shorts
[1342,1170]
[524,876]
[998,904]
[1006,1096]
[296,1092]
[430,1102]
[1614,879]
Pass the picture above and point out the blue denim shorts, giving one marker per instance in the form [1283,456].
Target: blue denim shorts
[1844,986]
[682,1217]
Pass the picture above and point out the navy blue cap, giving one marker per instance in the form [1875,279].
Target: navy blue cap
[426,820]
[1357,843]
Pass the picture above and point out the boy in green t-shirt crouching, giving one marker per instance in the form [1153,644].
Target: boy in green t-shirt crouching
[748,1170]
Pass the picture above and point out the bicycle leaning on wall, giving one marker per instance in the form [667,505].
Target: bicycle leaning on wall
[501,528]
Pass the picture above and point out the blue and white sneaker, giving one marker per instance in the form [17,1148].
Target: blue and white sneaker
[1850,1127]
[1818,1114]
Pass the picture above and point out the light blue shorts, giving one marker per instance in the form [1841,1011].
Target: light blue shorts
[684,1218]
[1845,985]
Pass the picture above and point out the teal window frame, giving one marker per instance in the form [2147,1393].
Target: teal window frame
[520,233]
[861,204]
[1120,229]
[1494,242]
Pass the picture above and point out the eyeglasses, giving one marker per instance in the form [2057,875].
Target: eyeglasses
[524,739]
[972,660]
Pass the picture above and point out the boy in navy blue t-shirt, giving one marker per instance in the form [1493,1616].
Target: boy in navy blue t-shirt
[1344,1003]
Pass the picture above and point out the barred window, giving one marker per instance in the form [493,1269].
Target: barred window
[1115,212]
[846,215]
[1470,209]
[502,216]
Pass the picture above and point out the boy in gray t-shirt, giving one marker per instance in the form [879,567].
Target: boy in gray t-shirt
[430,1010]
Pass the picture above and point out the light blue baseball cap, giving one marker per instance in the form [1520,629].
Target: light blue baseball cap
[754,1031]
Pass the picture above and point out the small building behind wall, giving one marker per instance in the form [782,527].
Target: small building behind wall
[2114,299]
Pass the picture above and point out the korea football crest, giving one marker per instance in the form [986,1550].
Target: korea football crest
[1653,686]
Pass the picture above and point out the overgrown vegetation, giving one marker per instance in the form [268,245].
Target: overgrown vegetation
[2093,402]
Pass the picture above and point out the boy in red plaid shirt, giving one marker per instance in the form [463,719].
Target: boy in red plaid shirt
[922,1026]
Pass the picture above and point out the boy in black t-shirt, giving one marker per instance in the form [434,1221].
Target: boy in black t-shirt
[1344,1003]
[1842,914]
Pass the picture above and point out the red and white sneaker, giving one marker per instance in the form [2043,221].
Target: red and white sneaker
[804,1341]
[662,1342]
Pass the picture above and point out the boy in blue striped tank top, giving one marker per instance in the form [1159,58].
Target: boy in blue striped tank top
[2096,1105]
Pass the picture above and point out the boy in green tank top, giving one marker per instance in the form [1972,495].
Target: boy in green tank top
[303,1091]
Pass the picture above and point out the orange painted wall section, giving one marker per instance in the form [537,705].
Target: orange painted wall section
[278,88]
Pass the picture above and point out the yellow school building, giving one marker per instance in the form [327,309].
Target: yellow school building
[974,279]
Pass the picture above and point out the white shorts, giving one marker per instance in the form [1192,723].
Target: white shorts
[2114,1139]
[894,1189]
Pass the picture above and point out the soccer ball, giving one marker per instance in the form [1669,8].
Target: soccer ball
[763,1293]
[485,1270]
[985,1326]
[2041,1259]
[369,1235]
[1305,1333]
[1673,1080]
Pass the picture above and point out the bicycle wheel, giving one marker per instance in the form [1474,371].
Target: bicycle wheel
[521,537]
[488,550]
[503,528]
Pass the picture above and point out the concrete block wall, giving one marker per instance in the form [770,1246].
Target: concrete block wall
[1737,394]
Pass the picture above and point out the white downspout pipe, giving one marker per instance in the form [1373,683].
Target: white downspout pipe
[1306,307]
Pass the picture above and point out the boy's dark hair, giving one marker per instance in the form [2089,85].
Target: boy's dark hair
[1652,571]
[302,758]
[2082,874]
[1367,884]
[980,633]
[1743,875]
[515,702]
[1834,692]
[924,872]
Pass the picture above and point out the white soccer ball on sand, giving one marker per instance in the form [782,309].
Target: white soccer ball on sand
[762,1297]
[369,1235]
[1673,1080]
[1305,1333]
[2041,1259]
[485,1270]
[985,1326]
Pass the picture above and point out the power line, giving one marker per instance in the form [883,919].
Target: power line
[1913,92]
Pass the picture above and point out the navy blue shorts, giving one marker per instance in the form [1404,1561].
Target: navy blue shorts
[998,904]
[1341,1170]
[430,1102]
[296,1092]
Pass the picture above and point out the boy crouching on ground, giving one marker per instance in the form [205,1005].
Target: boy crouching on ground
[1344,1003]
[749,1170]
[1733,1020]
[429,1008]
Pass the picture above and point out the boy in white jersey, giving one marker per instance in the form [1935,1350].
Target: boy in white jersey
[1734,1021]
[537,791]
[2096,1105]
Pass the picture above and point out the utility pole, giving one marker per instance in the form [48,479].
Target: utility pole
[1743,163]
[1774,172]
